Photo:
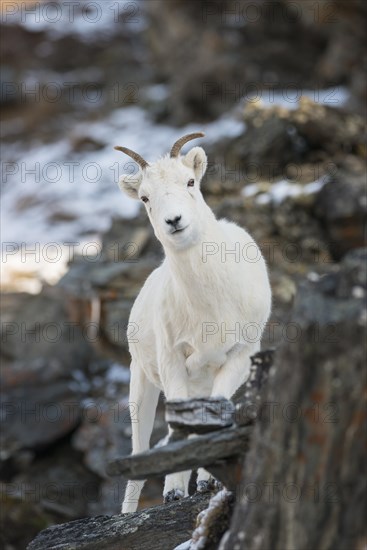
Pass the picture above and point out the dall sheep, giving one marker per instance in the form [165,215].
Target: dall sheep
[200,315]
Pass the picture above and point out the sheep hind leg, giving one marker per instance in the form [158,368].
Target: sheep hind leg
[206,483]
[176,486]
[143,402]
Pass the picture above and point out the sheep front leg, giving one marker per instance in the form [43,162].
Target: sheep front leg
[213,357]
[230,376]
[233,373]
[198,360]
[173,375]
[174,380]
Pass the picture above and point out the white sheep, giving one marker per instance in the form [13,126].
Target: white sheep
[200,315]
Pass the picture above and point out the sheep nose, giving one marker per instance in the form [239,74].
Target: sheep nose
[174,221]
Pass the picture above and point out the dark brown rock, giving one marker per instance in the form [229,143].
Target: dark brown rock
[43,353]
[59,484]
[16,512]
[277,138]
[161,528]
[342,208]
[216,45]
[302,483]
[213,521]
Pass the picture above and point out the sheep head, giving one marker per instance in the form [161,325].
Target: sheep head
[170,191]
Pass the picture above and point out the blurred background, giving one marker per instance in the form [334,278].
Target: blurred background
[278,87]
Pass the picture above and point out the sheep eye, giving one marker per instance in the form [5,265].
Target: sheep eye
[144,199]
[191,183]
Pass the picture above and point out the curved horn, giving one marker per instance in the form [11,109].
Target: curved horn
[138,159]
[175,151]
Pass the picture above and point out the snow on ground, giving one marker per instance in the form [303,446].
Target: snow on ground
[118,374]
[85,19]
[281,190]
[52,194]
[55,200]
[336,96]
[183,546]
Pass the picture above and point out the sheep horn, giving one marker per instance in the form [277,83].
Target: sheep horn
[175,151]
[138,159]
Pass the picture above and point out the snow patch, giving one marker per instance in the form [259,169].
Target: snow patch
[58,195]
[183,546]
[118,374]
[62,196]
[358,292]
[313,277]
[250,190]
[337,96]
[84,19]
[157,92]
[281,190]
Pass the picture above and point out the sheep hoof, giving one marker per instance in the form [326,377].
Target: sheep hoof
[174,494]
[208,485]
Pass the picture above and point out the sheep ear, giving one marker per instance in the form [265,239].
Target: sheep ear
[197,160]
[130,183]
